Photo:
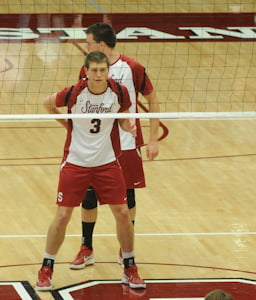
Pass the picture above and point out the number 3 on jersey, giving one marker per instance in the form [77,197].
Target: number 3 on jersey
[96,125]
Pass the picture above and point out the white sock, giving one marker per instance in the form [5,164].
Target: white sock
[49,256]
[128,254]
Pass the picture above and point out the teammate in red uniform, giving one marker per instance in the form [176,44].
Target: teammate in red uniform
[125,70]
[90,152]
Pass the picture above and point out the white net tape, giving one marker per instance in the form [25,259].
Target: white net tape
[165,115]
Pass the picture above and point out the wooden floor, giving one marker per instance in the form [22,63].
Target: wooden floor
[195,219]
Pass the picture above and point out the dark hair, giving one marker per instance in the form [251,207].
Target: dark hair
[95,56]
[218,295]
[103,32]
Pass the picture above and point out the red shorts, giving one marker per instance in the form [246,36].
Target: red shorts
[107,180]
[131,163]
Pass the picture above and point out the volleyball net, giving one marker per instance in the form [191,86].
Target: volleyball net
[202,65]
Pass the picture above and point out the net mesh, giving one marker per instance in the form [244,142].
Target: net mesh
[190,74]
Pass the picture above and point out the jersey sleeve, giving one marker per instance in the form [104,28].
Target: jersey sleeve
[62,97]
[125,101]
[68,96]
[82,73]
[141,80]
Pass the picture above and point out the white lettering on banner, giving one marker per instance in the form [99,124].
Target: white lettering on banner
[133,33]
[71,33]
[248,32]
[17,34]
[206,32]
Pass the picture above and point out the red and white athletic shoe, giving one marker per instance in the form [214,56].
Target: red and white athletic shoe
[132,278]
[120,260]
[84,258]
[44,281]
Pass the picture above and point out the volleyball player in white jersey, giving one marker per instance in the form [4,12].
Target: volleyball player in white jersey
[90,152]
[125,70]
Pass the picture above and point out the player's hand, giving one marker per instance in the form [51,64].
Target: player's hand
[152,150]
[132,127]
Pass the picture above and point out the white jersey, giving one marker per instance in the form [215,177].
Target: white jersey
[89,142]
[131,74]
[122,73]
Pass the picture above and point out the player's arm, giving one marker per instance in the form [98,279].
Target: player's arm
[153,147]
[128,125]
[50,105]
[145,87]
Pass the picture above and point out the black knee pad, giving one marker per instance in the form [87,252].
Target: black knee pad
[131,198]
[90,199]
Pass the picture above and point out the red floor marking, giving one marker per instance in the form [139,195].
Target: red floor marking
[17,290]
[9,66]
[240,289]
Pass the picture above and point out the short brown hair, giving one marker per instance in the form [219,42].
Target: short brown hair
[103,32]
[95,56]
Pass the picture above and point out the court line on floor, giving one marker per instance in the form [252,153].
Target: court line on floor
[166,234]
[142,263]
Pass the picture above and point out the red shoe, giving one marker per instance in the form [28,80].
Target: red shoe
[84,258]
[44,282]
[132,278]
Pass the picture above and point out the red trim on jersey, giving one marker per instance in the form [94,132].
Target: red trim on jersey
[141,80]
[142,84]
[61,100]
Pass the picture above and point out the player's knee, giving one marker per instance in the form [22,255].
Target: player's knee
[62,218]
[131,198]
[90,199]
